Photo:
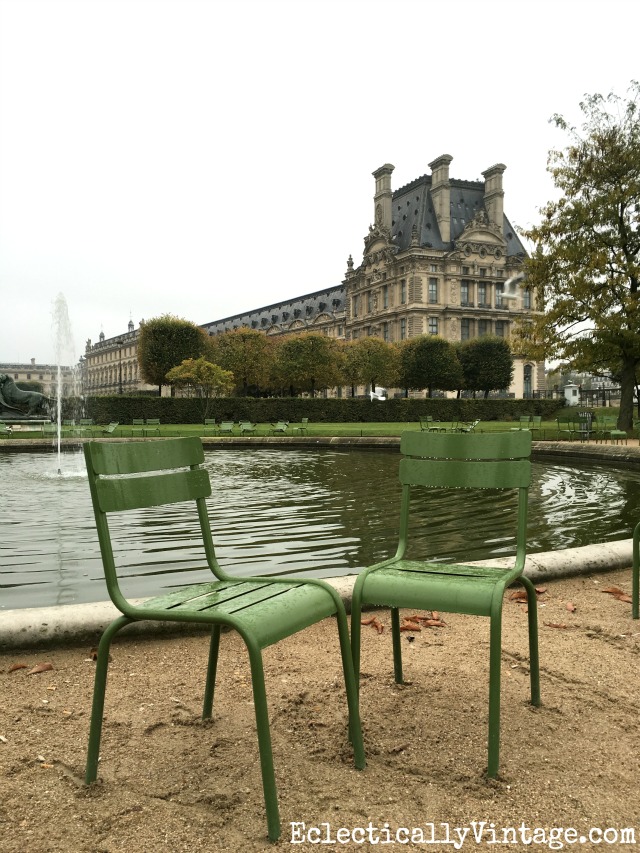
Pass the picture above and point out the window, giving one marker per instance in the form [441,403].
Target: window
[403,291]
[354,304]
[526,297]
[466,292]
[385,332]
[369,301]
[339,331]
[501,328]
[482,295]
[433,325]
[403,329]
[465,329]
[499,299]
[483,272]
[483,328]
[433,268]
[385,296]
[433,290]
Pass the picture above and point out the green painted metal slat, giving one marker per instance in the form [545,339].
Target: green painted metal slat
[499,445]
[126,458]
[117,495]
[463,474]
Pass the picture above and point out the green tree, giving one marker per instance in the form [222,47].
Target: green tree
[487,364]
[370,361]
[430,362]
[202,378]
[247,353]
[308,362]
[585,269]
[165,342]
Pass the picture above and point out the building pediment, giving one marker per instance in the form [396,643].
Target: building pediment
[479,232]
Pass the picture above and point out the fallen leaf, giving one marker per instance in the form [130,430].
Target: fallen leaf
[541,590]
[518,595]
[377,624]
[555,625]
[613,590]
[40,667]
[434,623]
[47,766]
[624,597]
[410,626]
[570,607]
[435,615]
[366,621]
[16,666]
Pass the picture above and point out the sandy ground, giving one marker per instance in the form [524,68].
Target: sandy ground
[170,782]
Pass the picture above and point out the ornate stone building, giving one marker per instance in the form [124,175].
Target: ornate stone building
[111,365]
[435,262]
[46,375]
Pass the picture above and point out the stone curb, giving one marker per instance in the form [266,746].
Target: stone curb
[74,623]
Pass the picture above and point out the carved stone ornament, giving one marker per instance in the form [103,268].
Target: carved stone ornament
[378,214]
[454,294]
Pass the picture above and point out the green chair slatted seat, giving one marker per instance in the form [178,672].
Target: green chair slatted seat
[152,426]
[226,428]
[134,475]
[461,461]
[280,428]
[247,428]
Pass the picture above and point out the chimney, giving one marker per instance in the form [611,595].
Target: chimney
[494,194]
[33,362]
[382,198]
[441,194]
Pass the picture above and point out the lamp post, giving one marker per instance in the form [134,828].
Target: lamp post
[119,342]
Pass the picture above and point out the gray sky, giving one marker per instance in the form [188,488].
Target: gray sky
[202,158]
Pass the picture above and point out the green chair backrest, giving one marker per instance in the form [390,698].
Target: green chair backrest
[467,461]
[138,422]
[536,420]
[304,421]
[209,421]
[86,421]
[134,476]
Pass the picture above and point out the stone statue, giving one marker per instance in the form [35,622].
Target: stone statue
[16,403]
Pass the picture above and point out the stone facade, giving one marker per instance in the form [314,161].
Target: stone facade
[46,375]
[110,366]
[435,261]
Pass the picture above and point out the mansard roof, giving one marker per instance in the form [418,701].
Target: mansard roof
[299,310]
[412,205]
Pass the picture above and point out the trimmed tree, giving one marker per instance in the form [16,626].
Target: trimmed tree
[586,265]
[203,379]
[373,361]
[487,364]
[430,362]
[247,353]
[307,362]
[165,342]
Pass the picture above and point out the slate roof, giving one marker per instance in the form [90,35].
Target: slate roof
[412,205]
[306,308]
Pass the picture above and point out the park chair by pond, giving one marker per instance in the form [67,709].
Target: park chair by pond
[68,426]
[152,426]
[109,430]
[247,428]
[467,427]
[5,431]
[138,426]
[226,428]
[304,425]
[279,428]
[536,426]
[135,475]
[463,461]
[85,425]
[524,422]
[210,427]
[583,428]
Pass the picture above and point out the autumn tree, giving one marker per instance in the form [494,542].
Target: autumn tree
[585,267]
[202,378]
[308,362]
[247,353]
[165,342]
[370,361]
[430,362]
[487,364]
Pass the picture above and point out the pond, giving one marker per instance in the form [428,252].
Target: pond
[320,512]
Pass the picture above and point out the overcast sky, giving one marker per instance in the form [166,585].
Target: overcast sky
[203,158]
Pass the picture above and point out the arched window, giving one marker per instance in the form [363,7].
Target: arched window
[528,381]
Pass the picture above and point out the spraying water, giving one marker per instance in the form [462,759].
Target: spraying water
[64,352]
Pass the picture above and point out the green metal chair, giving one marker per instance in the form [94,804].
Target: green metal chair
[133,475]
[462,461]
[137,426]
[5,431]
[210,427]
[109,430]
[152,426]
[304,425]
[247,428]
[279,428]
[524,422]
[226,428]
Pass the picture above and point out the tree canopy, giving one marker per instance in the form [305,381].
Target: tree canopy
[247,353]
[308,362]
[205,379]
[430,362]
[369,361]
[585,268]
[487,364]
[165,342]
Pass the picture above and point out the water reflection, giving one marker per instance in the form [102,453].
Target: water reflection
[324,513]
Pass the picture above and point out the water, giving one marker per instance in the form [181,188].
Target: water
[323,513]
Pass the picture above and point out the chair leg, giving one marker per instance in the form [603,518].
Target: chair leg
[534,659]
[355,728]
[356,631]
[99,689]
[495,655]
[264,740]
[397,648]
[212,667]
[635,574]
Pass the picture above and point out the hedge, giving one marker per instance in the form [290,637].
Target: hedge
[180,410]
